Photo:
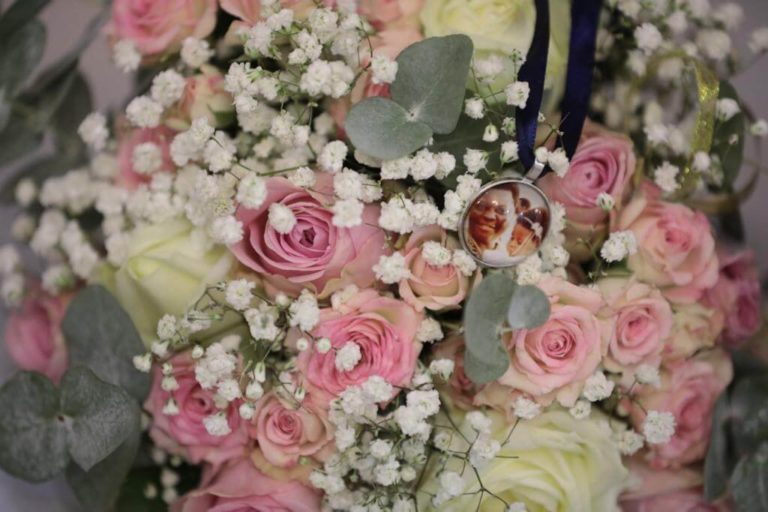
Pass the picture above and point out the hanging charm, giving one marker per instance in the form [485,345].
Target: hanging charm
[506,221]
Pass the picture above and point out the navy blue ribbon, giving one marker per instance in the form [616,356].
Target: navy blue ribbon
[585,15]
[533,71]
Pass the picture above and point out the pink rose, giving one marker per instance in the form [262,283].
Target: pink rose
[161,136]
[432,287]
[160,27]
[675,247]
[315,254]
[694,327]
[383,328]
[604,163]
[239,486]
[654,490]
[33,333]
[184,433]
[689,391]
[246,10]
[286,431]
[643,323]
[384,14]
[204,96]
[553,361]
[737,295]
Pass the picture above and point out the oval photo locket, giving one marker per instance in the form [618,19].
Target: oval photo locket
[506,221]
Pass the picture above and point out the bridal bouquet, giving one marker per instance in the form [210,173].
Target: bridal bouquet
[387,255]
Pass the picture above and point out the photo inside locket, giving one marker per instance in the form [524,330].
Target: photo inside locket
[506,223]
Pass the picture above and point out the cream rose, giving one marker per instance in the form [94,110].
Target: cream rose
[694,327]
[553,462]
[166,271]
[503,26]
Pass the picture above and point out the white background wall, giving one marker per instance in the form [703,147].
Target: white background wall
[66,19]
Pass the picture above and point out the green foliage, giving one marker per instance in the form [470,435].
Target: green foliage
[381,128]
[737,459]
[431,80]
[43,428]
[427,98]
[101,335]
[497,303]
[728,141]
[58,99]
[750,481]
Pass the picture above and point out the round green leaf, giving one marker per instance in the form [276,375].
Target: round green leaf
[100,416]
[431,80]
[528,308]
[33,443]
[749,481]
[484,318]
[101,336]
[383,129]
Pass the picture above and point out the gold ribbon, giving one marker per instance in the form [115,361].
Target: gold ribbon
[708,91]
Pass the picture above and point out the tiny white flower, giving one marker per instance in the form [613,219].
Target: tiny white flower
[195,52]
[168,87]
[727,108]
[558,161]
[665,176]
[758,40]
[525,408]
[442,367]
[143,363]
[647,374]
[323,345]
[597,387]
[509,152]
[239,293]
[391,269]
[126,56]
[491,133]
[332,156]
[619,245]
[648,37]
[605,201]
[517,94]
[475,160]
[580,409]
[246,411]
[93,130]
[658,427]
[227,230]
[384,69]
[217,425]
[144,112]
[281,218]
[629,442]
[474,108]
[429,331]
[435,254]
[347,213]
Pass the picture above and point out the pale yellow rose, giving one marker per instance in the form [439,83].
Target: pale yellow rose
[550,463]
[501,26]
[166,271]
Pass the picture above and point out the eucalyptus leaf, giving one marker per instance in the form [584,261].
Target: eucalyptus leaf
[99,488]
[720,459]
[383,129]
[18,139]
[431,79]
[749,482]
[484,318]
[68,117]
[485,371]
[528,308]
[33,443]
[101,336]
[20,55]
[102,416]
[5,109]
[18,15]
[749,411]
